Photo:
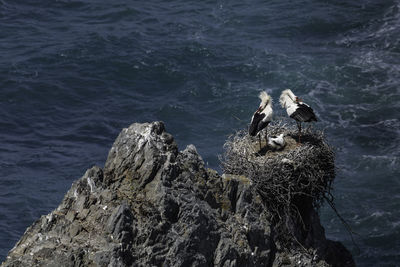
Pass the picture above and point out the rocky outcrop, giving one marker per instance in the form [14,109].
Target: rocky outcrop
[152,205]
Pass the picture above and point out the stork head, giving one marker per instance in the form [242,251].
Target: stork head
[265,100]
[287,97]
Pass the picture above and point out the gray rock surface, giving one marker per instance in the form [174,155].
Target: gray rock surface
[152,205]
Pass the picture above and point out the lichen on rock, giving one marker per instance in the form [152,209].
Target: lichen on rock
[152,205]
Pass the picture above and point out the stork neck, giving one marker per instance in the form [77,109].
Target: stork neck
[263,106]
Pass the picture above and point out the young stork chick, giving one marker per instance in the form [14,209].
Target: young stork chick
[296,109]
[277,142]
[262,117]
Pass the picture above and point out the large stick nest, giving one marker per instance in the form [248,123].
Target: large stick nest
[288,179]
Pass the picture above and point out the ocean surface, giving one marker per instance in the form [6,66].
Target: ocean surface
[74,73]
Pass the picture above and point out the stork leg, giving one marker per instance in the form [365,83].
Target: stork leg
[299,127]
[266,137]
[259,139]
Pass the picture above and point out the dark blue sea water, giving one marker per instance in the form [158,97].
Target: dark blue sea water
[74,73]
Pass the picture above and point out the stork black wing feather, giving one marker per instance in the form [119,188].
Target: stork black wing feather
[304,113]
[257,118]
[262,125]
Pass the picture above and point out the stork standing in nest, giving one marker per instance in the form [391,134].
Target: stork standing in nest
[296,109]
[262,117]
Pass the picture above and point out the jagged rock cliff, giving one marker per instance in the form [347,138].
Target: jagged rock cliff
[152,205]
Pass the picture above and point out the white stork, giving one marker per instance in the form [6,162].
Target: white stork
[277,142]
[296,109]
[262,117]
